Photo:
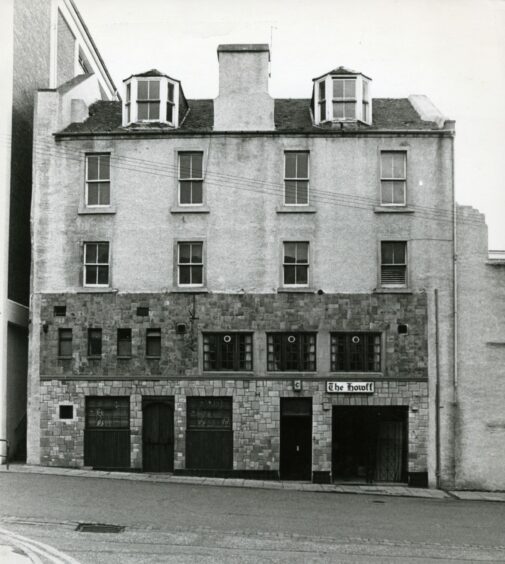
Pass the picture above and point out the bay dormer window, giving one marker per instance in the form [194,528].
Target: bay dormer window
[342,96]
[153,97]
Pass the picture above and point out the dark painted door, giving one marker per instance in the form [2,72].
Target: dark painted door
[296,439]
[158,436]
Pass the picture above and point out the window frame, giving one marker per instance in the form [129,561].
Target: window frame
[62,331]
[371,338]
[153,335]
[191,264]
[295,264]
[393,179]
[404,264]
[139,101]
[99,181]
[284,336]
[189,179]
[297,178]
[344,99]
[236,344]
[119,340]
[97,264]
[90,353]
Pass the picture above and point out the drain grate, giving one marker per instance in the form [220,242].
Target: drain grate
[99,528]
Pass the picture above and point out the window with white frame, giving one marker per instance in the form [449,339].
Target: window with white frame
[170,102]
[322,100]
[96,264]
[365,101]
[98,180]
[296,264]
[148,100]
[296,178]
[393,178]
[394,264]
[127,102]
[190,264]
[190,178]
[344,98]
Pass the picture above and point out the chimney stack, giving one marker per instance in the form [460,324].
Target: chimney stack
[243,103]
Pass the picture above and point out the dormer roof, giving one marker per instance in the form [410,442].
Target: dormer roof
[152,72]
[342,71]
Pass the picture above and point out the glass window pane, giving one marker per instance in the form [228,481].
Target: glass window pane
[170,112]
[184,275]
[196,254]
[103,275]
[322,90]
[290,192]
[387,253]
[142,90]
[302,274]
[322,111]
[103,253]
[154,89]
[302,252]
[399,192]
[93,194]
[197,192]
[92,167]
[338,88]
[185,192]
[90,277]
[128,92]
[184,165]
[303,165]
[290,165]
[365,91]
[350,89]
[290,252]
[398,165]
[184,252]
[170,92]
[399,253]
[350,109]
[197,274]
[387,192]
[90,256]
[387,165]
[104,199]
[289,275]
[104,162]
[142,110]
[154,110]
[197,165]
[338,110]
[303,192]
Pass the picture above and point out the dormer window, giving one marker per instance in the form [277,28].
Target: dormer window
[153,97]
[342,96]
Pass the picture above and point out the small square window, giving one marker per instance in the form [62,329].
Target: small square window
[124,342]
[153,343]
[94,342]
[65,342]
[142,311]
[66,411]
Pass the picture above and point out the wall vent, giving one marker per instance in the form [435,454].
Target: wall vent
[60,311]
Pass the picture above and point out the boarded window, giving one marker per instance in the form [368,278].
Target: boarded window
[209,413]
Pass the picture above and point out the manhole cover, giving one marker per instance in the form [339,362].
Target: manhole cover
[99,528]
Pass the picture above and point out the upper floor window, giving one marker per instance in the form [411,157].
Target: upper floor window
[190,178]
[94,342]
[344,98]
[124,343]
[296,178]
[393,178]
[98,180]
[190,264]
[296,264]
[291,351]
[227,351]
[153,343]
[322,100]
[355,352]
[153,97]
[65,342]
[393,264]
[148,100]
[96,264]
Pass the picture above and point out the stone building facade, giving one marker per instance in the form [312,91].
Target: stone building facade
[45,43]
[233,292]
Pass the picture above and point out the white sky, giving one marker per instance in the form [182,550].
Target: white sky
[451,50]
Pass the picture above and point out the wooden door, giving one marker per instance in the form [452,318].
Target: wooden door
[158,436]
[296,439]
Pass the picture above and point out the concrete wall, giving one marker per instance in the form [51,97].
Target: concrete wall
[66,53]
[481,359]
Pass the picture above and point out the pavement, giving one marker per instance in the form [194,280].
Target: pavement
[368,489]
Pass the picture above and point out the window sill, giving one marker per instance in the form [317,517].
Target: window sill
[295,290]
[124,357]
[296,209]
[291,374]
[190,290]
[392,291]
[225,373]
[359,375]
[97,290]
[65,357]
[153,357]
[95,357]
[189,209]
[393,209]
[106,210]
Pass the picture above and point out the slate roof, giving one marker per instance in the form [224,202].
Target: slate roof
[290,115]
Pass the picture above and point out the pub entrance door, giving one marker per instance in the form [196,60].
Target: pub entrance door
[158,434]
[296,439]
[370,444]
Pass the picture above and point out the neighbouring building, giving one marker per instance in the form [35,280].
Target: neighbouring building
[246,286]
[45,44]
